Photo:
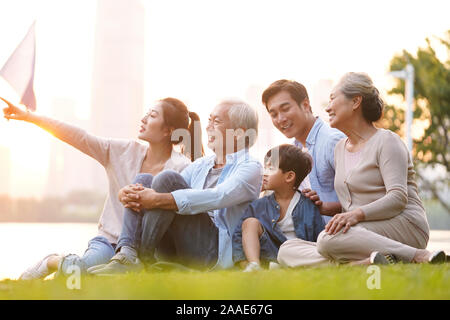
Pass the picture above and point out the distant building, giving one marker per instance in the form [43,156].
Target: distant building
[5,171]
[118,73]
[118,69]
[68,167]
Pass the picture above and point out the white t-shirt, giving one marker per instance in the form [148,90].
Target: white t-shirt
[286,225]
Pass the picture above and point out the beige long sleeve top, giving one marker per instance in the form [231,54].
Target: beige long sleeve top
[122,160]
[382,183]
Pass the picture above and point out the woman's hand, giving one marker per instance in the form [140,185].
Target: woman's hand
[129,196]
[14,112]
[344,220]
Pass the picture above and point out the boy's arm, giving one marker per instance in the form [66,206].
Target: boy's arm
[238,250]
[242,186]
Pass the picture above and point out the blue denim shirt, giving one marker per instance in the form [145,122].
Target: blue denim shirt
[308,222]
[239,184]
[320,142]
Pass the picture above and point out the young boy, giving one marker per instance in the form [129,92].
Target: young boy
[284,214]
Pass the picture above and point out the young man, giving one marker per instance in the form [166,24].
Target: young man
[288,105]
[283,215]
[189,218]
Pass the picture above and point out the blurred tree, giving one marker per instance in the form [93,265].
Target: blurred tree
[432,107]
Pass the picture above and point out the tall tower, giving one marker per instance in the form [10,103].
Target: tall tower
[118,69]
[68,166]
[118,74]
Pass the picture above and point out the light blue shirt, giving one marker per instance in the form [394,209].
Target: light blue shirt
[238,185]
[320,142]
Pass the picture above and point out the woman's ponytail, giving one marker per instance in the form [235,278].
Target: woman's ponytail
[177,116]
[195,132]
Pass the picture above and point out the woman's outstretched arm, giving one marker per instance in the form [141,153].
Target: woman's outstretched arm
[93,146]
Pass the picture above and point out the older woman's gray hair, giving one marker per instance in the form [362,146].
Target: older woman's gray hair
[242,116]
[354,84]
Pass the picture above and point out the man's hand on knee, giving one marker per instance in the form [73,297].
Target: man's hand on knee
[150,199]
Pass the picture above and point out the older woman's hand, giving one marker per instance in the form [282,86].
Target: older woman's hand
[344,220]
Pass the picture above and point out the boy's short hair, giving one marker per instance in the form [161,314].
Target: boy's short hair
[291,158]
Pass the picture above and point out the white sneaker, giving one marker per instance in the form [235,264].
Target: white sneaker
[252,266]
[38,271]
[274,266]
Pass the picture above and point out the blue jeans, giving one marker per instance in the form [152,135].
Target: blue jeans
[187,239]
[130,235]
[99,251]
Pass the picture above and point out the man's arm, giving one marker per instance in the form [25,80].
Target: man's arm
[325,208]
[330,208]
[243,185]
[331,146]
[150,199]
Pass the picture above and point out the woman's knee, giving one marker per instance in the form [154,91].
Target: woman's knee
[326,244]
[164,180]
[145,179]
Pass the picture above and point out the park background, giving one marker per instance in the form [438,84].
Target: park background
[101,64]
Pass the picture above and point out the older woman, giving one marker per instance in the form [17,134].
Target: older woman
[382,217]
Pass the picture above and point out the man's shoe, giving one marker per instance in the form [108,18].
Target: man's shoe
[438,257]
[119,264]
[383,259]
[93,268]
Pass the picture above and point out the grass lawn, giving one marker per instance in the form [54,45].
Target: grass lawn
[343,282]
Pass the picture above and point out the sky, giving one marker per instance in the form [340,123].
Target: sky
[202,51]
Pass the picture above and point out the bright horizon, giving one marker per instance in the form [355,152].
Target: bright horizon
[203,51]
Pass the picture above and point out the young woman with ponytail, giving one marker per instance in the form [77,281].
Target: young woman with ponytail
[125,161]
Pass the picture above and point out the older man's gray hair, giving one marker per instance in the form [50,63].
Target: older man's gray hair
[242,116]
